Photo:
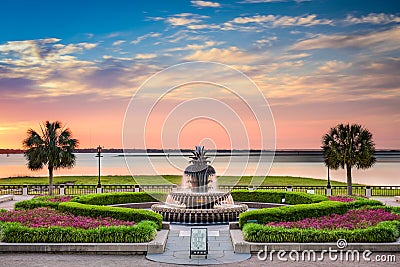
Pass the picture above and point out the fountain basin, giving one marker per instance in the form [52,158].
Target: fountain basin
[220,214]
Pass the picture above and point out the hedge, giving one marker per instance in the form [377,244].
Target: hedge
[125,214]
[37,202]
[302,211]
[119,198]
[16,233]
[272,196]
[382,232]
[293,213]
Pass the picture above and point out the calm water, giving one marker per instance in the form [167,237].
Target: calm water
[383,172]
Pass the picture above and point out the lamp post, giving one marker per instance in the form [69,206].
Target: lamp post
[328,186]
[329,180]
[99,148]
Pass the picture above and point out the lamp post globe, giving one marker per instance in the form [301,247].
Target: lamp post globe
[99,149]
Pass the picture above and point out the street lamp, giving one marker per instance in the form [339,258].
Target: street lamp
[329,180]
[99,148]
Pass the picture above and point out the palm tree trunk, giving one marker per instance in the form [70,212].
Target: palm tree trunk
[349,181]
[50,180]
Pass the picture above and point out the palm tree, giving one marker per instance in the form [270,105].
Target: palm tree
[53,147]
[348,146]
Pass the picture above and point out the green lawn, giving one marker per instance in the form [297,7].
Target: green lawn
[168,179]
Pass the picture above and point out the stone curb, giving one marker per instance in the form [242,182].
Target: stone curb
[153,247]
[5,198]
[242,246]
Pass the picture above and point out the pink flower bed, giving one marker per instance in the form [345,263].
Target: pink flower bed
[342,198]
[353,219]
[60,199]
[45,217]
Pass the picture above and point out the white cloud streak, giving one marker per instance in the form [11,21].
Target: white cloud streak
[205,4]
[373,18]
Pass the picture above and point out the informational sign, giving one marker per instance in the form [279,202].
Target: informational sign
[198,242]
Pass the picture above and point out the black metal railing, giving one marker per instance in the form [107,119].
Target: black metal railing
[385,190]
[10,189]
[71,189]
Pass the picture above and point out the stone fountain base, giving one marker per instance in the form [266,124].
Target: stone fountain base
[221,214]
[193,207]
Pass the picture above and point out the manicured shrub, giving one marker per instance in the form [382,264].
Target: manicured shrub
[293,213]
[382,232]
[41,202]
[271,196]
[125,214]
[363,202]
[47,217]
[299,212]
[16,233]
[352,219]
[119,198]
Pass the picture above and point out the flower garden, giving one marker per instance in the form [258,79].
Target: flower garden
[307,218]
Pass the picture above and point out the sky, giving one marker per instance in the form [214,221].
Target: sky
[315,63]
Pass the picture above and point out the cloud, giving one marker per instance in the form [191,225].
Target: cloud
[146,36]
[231,55]
[272,1]
[16,86]
[205,4]
[118,42]
[334,66]
[194,46]
[184,19]
[282,21]
[373,18]
[265,41]
[145,56]
[387,40]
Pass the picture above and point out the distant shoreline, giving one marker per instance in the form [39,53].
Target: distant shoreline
[279,155]
[222,152]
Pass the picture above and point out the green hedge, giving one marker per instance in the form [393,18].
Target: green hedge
[302,211]
[125,214]
[382,232]
[119,198]
[293,213]
[361,202]
[37,202]
[16,233]
[272,196]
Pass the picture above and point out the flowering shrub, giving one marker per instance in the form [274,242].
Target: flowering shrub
[342,198]
[60,199]
[42,201]
[45,217]
[352,219]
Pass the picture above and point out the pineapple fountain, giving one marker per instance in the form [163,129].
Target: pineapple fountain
[198,201]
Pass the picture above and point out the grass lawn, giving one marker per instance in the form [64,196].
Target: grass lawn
[167,179]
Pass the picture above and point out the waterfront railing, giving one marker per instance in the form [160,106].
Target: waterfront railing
[72,189]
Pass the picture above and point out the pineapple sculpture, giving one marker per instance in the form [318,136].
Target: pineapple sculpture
[199,170]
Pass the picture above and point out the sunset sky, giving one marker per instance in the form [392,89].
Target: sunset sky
[317,63]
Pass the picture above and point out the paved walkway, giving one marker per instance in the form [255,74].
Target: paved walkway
[9,205]
[177,252]
[220,247]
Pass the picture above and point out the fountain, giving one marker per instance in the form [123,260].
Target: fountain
[198,201]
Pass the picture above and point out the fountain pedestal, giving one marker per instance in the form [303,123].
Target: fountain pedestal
[199,203]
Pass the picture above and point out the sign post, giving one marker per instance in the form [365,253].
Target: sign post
[198,242]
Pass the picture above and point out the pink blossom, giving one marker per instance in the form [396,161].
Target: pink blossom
[352,219]
[46,217]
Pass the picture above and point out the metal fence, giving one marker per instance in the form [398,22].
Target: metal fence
[69,189]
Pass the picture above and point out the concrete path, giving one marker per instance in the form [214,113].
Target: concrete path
[181,245]
[9,205]
[220,247]
[388,201]
[92,260]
